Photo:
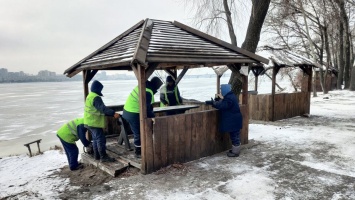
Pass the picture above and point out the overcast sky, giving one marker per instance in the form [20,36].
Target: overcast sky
[55,34]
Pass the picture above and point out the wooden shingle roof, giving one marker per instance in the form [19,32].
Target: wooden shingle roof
[166,44]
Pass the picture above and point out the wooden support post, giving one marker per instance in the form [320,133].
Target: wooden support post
[309,89]
[142,115]
[245,90]
[85,84]
[256,83]
[274,72]
[218,84]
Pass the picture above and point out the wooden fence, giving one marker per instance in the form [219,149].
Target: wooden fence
[286,105]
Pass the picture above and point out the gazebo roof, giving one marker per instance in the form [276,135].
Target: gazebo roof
[285,58]
[166,44]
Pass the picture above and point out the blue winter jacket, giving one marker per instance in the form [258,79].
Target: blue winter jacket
[230,116]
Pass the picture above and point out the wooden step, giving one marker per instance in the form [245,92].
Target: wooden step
[123,158]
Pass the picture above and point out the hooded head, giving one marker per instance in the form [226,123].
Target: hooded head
[225,88]
[97,87]
[155,84]
[170,81]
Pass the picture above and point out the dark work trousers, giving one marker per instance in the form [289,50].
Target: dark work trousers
[72,152]
[235,137]
[81,133]
[98,141]
[133,120]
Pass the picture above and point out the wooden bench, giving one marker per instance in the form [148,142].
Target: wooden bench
[29,148]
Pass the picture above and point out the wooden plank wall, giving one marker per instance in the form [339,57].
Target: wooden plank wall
[260,107]
[185,137]
[287,105]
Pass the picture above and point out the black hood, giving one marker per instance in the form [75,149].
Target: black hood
[97,87]
[154,84]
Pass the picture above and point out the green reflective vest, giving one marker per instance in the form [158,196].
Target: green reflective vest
[69,131]
[132,102]
[92,116]
[163,90]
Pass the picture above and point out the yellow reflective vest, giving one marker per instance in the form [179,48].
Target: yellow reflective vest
[92,116]
[132,102]
[163,90]
[69,131]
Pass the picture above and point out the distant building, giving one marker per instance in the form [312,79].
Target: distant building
[3,71]
[46,73]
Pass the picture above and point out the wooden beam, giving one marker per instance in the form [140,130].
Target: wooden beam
[201,61]
[170,72]
[151,68]
[90,75]
[143,43]
[182,74]
[256,83]
[135,71]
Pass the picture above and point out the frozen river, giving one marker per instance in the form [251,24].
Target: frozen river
[31,111]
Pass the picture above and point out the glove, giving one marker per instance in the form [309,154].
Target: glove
[209,102]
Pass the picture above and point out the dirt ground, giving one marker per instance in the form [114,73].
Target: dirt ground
[280,161]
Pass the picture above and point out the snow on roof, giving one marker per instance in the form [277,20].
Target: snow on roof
[284,57]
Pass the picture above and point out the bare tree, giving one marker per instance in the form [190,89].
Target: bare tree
[214,14]
[252,38]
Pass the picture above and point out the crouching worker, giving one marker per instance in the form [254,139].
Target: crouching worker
[231,119]
[68,134]
[94,120]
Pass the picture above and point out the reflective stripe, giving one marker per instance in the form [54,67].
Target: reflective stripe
[72,127]
[132,102]
[164,90]
[69,131]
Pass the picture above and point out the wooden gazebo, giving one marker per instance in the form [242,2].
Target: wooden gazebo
[154,44]
[277,106]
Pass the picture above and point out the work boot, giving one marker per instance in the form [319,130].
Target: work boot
[234,152]
[107,158]
[96,155]
[80,166]
[137,152]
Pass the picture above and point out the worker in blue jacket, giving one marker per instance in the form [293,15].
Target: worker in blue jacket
[231,119]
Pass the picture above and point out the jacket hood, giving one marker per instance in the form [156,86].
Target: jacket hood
[154,84]
[169,79]
[225,88]
[97,87]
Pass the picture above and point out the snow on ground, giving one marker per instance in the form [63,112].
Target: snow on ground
[31,177]
[298,158]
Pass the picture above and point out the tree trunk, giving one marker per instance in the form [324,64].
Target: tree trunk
[329,60]
[257,17]
[346,57]
[230,23]
[313,49]
[340,56]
